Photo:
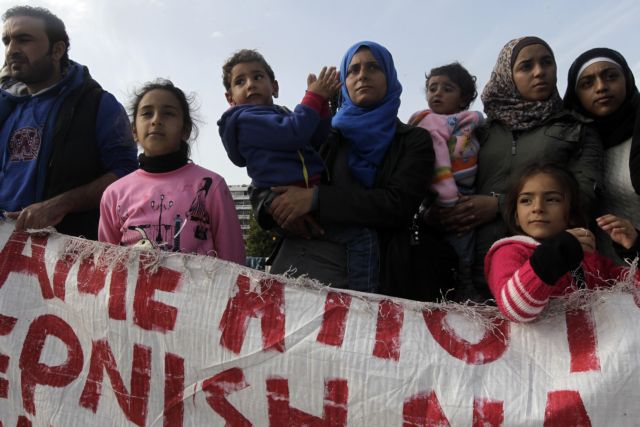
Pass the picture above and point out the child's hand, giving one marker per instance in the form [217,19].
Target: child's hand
[326,84]
[620,230]
[585,237]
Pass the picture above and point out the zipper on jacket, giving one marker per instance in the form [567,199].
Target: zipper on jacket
[513,147]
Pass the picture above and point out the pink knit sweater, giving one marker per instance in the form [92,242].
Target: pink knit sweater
[188,210]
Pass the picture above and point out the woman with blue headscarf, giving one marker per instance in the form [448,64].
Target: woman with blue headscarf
[377,170]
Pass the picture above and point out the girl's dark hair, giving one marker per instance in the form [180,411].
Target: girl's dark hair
[460,76]
[186,104]
[567,181]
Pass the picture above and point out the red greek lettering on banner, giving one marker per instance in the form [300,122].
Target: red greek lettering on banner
[336,396]
[490,348]
[488,413]
[118,292]
[173,390]
[7,324]
[266,303]
[33,372]
[12,260]
[423,409]
[565,409]
[134,404]
[388,328]
[148,313]
[334,319]
[216,390]
[583,343]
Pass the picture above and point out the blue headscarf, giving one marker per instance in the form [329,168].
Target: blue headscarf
[370,130]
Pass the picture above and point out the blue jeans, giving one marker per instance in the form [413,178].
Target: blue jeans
[363,256]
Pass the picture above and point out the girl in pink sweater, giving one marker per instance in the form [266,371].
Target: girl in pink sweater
[551,255]
[170,203]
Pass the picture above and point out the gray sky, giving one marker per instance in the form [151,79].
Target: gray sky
[128,42]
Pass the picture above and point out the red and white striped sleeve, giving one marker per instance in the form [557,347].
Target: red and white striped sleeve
[520,294]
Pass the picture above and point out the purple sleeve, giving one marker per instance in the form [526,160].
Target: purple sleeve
[118,151]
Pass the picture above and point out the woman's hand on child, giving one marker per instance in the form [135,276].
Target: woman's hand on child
[621,230]
[586,238]
[326,83]
[470,212]
[291,203]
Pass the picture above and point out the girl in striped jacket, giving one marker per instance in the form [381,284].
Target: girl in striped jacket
[550,255]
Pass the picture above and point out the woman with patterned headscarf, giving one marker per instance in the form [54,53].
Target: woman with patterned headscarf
[526,122]
[601,86]
[378,169]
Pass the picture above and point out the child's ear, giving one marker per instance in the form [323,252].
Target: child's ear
[229,99]
[276,88]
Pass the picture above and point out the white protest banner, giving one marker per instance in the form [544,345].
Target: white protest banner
[97,335]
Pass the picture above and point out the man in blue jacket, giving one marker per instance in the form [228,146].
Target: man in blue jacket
[63,139]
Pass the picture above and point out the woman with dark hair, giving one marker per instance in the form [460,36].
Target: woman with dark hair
[525,122]
[601,86]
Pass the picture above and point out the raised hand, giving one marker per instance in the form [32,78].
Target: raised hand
[326,83]
[621,230]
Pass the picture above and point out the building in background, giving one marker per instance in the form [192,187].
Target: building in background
[243,206]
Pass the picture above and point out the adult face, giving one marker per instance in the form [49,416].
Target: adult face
[534,73]
[601,88]
[28,54]
[366,82]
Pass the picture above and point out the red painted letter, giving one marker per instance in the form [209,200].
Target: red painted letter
[334,319]
[148,313]
[490,348]
[118,292]
[336,395]
[12,260]
[33,372]
[565,409]
[583,343]
[423,409]
[488,413]
[173,390]
[216,390]
[134,404]
[390,319]
[6,326]
[267,304]
[91,277]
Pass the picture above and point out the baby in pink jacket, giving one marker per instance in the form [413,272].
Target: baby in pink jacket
[450,92]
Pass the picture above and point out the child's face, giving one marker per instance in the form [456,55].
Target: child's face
[443,95]
[543,208]
[250,84]
[159,124]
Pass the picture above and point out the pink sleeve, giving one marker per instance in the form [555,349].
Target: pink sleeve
[520,294]
[225,226]
[443,182]
[108,228]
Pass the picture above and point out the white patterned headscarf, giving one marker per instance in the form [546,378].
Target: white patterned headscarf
[503,102]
